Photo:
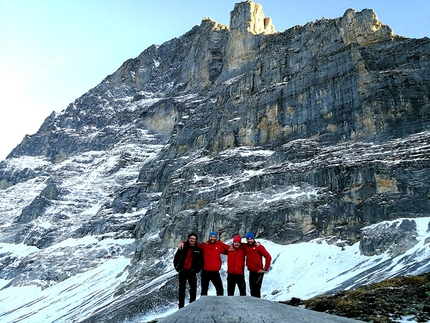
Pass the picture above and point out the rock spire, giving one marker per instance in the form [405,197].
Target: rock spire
[247,20]
[248,16]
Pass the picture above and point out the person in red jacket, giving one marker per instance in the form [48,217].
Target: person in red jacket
[254,261]
[236,267]
[212,251]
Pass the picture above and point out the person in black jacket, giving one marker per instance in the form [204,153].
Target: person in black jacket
[188,262]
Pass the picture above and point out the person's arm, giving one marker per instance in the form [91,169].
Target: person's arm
[226,248]
[198,260]
[267,257]
[176,260]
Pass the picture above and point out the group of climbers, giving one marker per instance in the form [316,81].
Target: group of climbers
[192,257]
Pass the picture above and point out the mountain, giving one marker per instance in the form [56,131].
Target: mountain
[315,138]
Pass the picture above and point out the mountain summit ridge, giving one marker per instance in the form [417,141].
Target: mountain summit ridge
[317,133]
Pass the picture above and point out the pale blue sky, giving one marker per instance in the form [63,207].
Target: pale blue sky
[53,51]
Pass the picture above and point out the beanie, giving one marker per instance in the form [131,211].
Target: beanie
[237,238]
[212,233]
[250,235]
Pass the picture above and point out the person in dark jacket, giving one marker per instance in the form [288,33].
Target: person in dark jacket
[188,261]
[236,267]
[255,253]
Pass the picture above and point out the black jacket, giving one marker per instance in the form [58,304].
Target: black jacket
[181,254]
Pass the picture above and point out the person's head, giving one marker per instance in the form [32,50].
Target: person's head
[236,241]
[212,237]
[250,238]
[192,238]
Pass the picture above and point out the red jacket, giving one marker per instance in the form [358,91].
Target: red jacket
[236,261]
[212,254]
[254,257]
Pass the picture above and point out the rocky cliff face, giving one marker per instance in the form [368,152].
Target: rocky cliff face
[317,131]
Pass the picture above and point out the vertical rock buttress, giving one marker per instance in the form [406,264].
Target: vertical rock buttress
[246,21]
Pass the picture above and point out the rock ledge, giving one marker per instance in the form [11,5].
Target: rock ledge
[247,309]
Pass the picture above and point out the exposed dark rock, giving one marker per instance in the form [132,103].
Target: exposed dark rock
[394,238]
[34,209]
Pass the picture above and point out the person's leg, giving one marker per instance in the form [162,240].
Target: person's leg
[231,283]
[253,283]
[241,284]
[182,282]
[216,280]
[192,280]
[257,286]
[205,282]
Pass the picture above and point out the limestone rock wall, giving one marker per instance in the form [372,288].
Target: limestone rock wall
[281,97]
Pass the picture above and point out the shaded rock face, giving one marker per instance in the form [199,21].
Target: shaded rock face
[320,130]
[394,238]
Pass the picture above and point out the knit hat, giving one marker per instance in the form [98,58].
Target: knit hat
[212,233]
[250,235]
[237,238]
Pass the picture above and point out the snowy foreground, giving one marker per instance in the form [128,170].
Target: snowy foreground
[302,270]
